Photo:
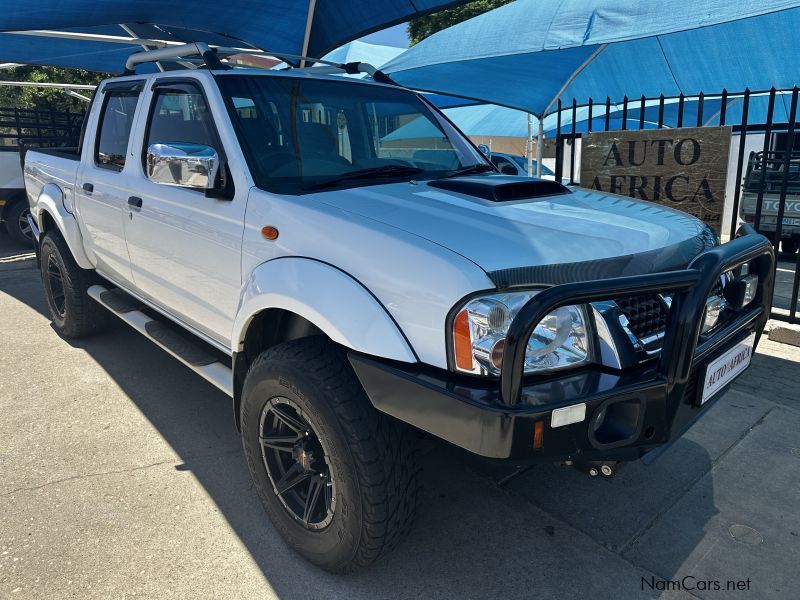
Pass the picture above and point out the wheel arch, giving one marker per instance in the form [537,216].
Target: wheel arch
[291,298]
[50,215]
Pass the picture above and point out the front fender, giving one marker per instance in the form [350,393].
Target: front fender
[327,297]
[51,201]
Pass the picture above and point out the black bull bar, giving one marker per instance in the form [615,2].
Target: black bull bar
[682,346]
[498,421]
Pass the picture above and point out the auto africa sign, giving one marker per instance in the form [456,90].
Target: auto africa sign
[682,168]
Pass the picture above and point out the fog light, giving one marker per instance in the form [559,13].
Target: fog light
[714,306]
[568,415]
[742,291]
[750,289]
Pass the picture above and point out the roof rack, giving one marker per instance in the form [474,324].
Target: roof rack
[351,68]
[210,55]
[211,59]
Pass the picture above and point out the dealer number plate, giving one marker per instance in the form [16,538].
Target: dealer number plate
[791,221]
[727,367]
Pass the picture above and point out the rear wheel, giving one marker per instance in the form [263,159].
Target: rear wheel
[17,223]
[73,312]
[336,477]
[791,245]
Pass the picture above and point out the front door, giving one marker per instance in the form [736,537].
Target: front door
[185,246]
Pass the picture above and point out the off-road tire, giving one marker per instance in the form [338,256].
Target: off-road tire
[13,214]
[372,455]
[77,315]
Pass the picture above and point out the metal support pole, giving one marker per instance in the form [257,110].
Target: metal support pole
[312,5]
[539,148]
[529,146]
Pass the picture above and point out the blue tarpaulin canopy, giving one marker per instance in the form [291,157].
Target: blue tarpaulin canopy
[312,27]
[529,53]
[358,51]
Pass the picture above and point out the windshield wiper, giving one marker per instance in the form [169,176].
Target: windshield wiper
[479,168]
[370,173]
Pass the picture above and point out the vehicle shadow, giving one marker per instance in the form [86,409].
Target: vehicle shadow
[11,251]
[547,529]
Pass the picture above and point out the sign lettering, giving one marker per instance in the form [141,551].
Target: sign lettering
[682,168]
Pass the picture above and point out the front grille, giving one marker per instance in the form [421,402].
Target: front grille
[647,314]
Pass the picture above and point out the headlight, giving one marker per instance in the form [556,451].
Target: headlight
[560,340]
[714,307]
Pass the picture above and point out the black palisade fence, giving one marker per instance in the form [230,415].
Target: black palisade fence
[770,176]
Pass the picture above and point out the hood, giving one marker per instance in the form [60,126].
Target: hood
[619,235]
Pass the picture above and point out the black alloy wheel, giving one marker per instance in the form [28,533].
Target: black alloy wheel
[297,464]
[55,286]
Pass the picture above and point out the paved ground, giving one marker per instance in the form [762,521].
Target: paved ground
[122,476]
[784,283]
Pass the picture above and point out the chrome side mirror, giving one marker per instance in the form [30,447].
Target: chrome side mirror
[485,150]
[193,166]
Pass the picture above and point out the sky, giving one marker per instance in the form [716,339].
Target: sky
[393,36]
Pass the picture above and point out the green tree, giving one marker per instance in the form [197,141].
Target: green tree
[31,97]
[419,29]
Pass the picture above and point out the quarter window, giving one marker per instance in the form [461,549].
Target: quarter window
[114,134]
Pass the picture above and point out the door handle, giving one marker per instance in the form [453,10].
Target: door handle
[135,202]
[88,187]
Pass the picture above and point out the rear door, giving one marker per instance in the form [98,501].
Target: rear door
[185,246]
[102,188]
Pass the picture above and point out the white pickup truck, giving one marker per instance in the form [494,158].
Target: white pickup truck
[349,291]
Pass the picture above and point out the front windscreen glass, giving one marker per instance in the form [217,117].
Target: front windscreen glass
[303,135]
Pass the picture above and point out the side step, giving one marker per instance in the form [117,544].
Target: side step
[167,336]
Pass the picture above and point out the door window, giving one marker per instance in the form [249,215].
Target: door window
[180,115]
[116,121]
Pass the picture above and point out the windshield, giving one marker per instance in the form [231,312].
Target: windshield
[299,135]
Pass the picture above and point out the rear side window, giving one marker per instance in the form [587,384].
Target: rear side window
[116,122]
[180,116]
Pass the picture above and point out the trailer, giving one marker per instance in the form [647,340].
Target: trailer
[26,128]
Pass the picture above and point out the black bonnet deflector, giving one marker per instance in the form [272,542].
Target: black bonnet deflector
[500,188]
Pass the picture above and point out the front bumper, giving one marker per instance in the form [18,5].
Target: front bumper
[629,412]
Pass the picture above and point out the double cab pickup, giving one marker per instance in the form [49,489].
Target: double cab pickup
[350,286]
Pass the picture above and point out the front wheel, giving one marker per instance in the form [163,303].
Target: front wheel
[336,477]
